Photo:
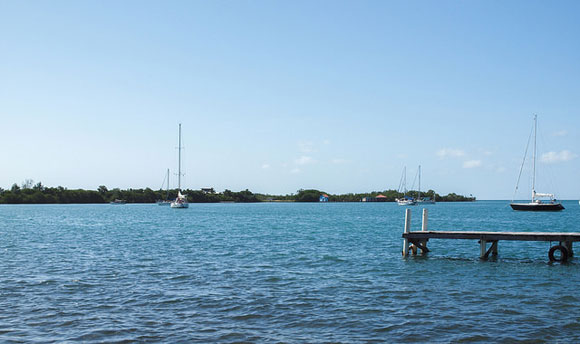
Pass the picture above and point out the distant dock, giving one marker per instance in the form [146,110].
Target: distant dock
[414,240]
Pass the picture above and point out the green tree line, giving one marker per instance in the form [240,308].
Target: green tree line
[313,195]
[30,193]
[40,194]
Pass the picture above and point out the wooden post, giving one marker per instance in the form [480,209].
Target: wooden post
[424,228]
[494,249]
[483,250]
[407,229]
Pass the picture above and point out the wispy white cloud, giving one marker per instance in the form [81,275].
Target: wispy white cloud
[306,146]
[339,161]
[450,152]
[556,157]
[471,163]
[295,170]
[560,133]
[304,160]
[326,142]
[265,166]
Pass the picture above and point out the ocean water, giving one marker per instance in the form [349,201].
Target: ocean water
[279,273]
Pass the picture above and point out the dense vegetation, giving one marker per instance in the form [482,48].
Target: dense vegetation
[29,193]
[391,195]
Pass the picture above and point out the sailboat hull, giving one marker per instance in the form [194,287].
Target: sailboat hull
[406,202]
[179,205]
[425,202]
[537,206]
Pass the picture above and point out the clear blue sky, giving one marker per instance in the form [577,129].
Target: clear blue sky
[275,96]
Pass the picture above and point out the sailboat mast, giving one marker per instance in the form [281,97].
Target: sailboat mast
[405,180]
[179,162]
[534,159]
[167,197]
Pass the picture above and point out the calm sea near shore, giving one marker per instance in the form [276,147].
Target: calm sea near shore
[279,272]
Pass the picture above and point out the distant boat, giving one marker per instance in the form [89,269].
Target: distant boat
[425,200]
[406,200]
[536,204]
[119,201]
[181,201]
[165,201]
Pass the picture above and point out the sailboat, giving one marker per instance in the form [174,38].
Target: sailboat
[536,204]
[406,200]
[425,200]
[165,201]
[181,201]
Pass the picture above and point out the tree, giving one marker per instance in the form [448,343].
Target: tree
[308,195]
[27,183]
[102,189]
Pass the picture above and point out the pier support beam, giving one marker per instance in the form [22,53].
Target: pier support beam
[407,230]
[568,245]
[492,249]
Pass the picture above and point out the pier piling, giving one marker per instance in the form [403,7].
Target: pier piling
[407,230]
[424,229]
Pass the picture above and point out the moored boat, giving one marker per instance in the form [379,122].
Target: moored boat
[536,203]
[406,200]
[424,200]
[181,200]
[165,201]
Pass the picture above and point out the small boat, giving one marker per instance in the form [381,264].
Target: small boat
[165,201]
[181,201]
[426,200]
[551,204]
[119,201]
[406,200]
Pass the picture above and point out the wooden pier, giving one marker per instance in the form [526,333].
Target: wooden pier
[412,241]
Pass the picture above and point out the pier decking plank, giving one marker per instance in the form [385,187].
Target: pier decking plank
[493,236]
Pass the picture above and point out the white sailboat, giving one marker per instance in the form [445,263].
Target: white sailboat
[536,204]
[406,200]
[181,201]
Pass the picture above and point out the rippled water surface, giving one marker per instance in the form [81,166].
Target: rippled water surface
[279,273]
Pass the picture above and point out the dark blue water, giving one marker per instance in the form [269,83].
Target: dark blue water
[278,273]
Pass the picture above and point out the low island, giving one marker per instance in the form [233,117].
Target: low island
[29,193]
